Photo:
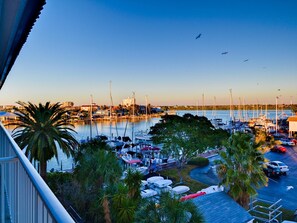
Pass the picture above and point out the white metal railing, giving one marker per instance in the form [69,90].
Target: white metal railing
[25,197]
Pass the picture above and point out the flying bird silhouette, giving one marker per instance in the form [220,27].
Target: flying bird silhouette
[246,60]
[198,36]
[224,53]
[290,187]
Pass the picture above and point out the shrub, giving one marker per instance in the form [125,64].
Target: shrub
[199,161]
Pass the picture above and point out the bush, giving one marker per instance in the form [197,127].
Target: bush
[199,161]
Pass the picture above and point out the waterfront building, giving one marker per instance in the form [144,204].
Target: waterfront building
[129,102]
[67,104]
[292,124]
[94,107]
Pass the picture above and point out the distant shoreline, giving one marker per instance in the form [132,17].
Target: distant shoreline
[234,107]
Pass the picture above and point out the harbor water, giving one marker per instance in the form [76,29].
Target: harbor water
[128,128]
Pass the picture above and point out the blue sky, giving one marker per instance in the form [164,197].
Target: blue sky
[149,47]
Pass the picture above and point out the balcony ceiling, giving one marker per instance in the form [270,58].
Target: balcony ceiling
[17,18]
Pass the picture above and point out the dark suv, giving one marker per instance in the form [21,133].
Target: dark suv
[271,171]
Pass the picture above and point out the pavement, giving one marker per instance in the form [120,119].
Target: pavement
[283,187]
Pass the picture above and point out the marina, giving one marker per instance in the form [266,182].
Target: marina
[137,130]
[140,128]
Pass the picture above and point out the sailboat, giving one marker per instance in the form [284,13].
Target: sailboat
[114,142]
[142,136]
[90,137]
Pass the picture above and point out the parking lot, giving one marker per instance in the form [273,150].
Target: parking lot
[283,187]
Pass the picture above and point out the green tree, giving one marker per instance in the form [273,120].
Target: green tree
[126,197]
[168,210]
[240,168]
[97,170]
[185,137]
[123,205]
[133,182]
[41,130]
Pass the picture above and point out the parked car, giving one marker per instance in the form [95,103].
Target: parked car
[279,149]
[271,171]
[293,140]
[284,169]
[287,142]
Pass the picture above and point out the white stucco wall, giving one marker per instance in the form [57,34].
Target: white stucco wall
[293,126]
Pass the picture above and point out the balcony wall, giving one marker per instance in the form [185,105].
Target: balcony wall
[25,197]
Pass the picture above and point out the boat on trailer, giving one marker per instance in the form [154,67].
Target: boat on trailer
[153,179]
[180,189]
[148,193]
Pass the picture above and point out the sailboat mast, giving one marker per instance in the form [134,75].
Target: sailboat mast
[203,109]
[197,107]
[133,113]
[146,106]
[110,111]
[110,106]
[244,111]
[231,106]
[291,101]
[214,110]
[91,116]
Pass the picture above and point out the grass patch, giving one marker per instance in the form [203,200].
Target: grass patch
[187,180]
[199,161]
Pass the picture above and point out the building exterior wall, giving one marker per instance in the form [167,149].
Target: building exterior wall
[293,126]
[129,101]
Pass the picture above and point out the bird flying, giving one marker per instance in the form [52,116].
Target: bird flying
[290,187]
[224,53]
[246,60]
[198,36]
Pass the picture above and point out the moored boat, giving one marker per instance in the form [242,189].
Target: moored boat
[180,189]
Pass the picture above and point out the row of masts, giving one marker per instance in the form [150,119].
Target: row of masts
[110,112]
[242,114]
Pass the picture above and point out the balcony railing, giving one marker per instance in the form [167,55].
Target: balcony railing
[24,196]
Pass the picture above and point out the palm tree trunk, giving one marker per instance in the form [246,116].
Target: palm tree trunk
[106,210]
[245,200]
[43,166]
[179,168]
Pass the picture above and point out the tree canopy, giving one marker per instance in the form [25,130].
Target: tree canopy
[41,130]
[185,137]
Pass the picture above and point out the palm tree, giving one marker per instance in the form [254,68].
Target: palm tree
[169,209]
[97,171]
[240,168]
[123,206]
[133,182]
[41,130]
